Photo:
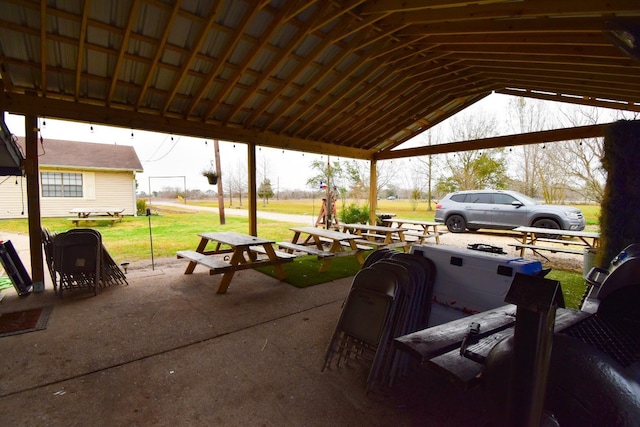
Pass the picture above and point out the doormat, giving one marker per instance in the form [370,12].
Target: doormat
[20,322]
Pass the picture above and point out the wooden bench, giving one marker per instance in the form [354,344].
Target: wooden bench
[560,241]
[418,233]
[215,265]
[366,243]
[112,219]
[311,250]
[552,249]
[279,254]
[346,244]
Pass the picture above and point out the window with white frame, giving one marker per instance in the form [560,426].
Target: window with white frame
[61,184]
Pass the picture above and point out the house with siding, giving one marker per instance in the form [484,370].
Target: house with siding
[75,175]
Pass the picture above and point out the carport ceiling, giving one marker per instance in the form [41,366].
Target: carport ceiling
[353,78]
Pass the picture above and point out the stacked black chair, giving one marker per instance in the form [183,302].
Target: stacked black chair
[389,297]
[71,268]
[76,259]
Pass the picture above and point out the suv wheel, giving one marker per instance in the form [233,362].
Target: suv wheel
[547,223]
[456,224]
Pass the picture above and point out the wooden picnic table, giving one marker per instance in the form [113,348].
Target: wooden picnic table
[244,250]
[425,229]
[438,347]
[96,214]
[531,236]
[86,212]
[377,235]
[340,244]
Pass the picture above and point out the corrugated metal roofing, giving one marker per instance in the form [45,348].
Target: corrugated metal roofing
[354,77]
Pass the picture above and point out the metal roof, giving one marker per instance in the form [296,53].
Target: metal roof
[348,77]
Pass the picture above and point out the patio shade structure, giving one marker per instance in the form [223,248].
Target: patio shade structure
[344,77]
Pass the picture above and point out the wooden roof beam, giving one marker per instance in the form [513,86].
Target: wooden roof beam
[301,67]
[566,134]
[220,62]
[133,14]
[160,49]
[371,89]
[287,10]
[43,47]
[572,99]
[68,110]
[271,67]
[81,46]
[514,10]
[197,45]
[405,112]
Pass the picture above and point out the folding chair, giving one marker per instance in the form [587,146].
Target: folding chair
[365,319]
[77,259]
[47,244]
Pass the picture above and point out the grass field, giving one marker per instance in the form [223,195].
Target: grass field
[173,229]
[402,208]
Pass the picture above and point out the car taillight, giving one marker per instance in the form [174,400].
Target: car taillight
[438,206]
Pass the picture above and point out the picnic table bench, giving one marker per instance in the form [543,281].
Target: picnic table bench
[438,347]
[341,244]
[423,229]
[580,240]
[244,250]
[96,214]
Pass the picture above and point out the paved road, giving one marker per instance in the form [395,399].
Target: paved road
[301,219]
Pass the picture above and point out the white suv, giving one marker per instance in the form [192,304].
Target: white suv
[475,209]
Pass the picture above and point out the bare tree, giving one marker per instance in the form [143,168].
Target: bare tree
[237,182]
[582,159]
[426,165]
[468,170]
[527,116]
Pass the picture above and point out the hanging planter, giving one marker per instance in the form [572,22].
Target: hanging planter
[211,175]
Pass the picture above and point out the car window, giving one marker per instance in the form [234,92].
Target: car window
[503,199]
[479,198]
[458,198]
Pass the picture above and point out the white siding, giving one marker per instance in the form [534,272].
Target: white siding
[100,189]
[13,196]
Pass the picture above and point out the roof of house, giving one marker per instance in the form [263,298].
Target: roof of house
[86,155]
[354,78]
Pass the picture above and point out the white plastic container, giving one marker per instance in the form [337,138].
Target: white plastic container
[470,281]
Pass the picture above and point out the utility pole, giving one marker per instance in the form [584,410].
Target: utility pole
[216,149]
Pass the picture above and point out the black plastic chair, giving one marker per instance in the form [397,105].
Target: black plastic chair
[77,259]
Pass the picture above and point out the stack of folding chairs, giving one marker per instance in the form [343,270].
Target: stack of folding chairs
[389,297]
[77,259]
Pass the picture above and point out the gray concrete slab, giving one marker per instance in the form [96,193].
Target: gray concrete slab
[167,350]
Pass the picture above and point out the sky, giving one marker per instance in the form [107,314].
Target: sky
[170,160]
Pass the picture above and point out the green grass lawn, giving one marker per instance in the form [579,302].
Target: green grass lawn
[173,230]
[402,208]
[130,239]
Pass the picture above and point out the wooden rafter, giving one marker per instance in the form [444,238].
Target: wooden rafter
[299,69]
[567,134]
[353,73]
[43,47]
[285,51]
[123,49]
[217,67]
[572,99]
[81,46]
[159,52]
[193,52]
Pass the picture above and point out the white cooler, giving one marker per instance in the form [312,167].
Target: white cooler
[470,281]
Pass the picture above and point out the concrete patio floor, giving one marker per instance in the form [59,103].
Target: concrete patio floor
[166,350]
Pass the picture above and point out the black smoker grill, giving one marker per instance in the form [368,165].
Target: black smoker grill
[594,370]
[614,298]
